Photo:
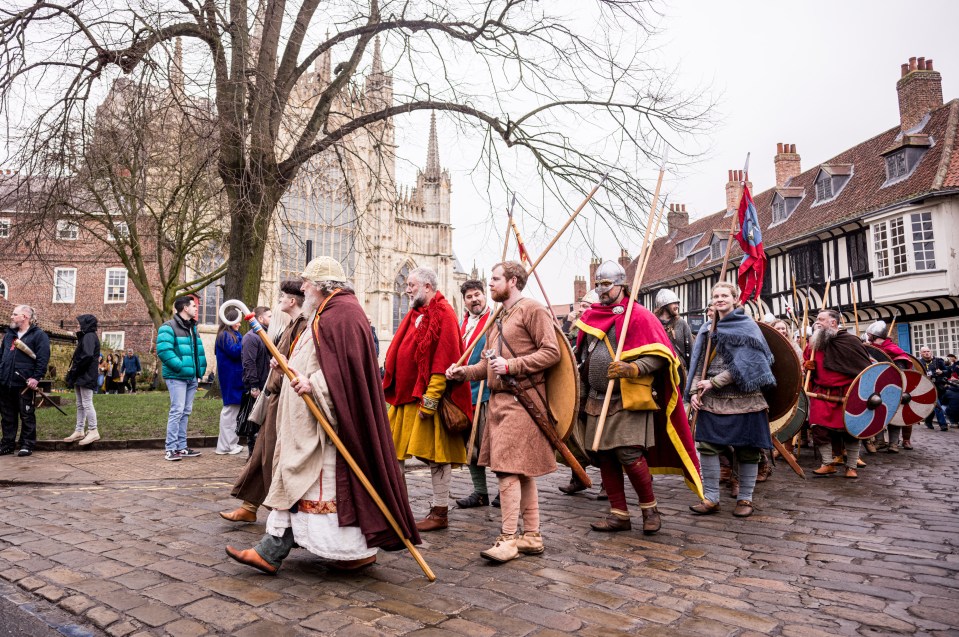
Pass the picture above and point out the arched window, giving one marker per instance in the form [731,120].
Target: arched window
[401,302]
[3,289]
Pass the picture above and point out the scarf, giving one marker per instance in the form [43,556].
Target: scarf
[741,344]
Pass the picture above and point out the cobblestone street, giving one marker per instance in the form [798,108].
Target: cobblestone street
[129,544]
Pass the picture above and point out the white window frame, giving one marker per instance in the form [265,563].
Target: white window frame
[897,166]
[5,227]
[121,297]
[68,230]
[923,241]
[898,248]
[821,187]
[4,290]
[112,337]
[123,231]
[57,272]
[941,336]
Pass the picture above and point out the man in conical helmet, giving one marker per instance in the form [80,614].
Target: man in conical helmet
[645,430]
[666,309]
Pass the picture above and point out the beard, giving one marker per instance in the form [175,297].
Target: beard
[418,301]
[499,297]
[476,308]
[821,337]
[311,303]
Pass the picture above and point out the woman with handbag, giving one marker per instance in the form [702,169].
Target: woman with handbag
[230,372]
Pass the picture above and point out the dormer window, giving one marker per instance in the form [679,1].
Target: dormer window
[896,165]
[785,201]
[683,248]
[697,257]
[823,187]
[831,181]
[718,247]
[904,155]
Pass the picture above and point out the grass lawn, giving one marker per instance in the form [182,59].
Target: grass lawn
[129,416]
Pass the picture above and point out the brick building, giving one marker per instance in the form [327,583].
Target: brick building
[62,271]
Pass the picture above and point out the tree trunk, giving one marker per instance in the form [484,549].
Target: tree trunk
[249,233]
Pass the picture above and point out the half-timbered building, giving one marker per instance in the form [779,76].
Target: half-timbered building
[877,223]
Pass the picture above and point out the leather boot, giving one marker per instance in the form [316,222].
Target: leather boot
[251,558]
[239,515]
[611,524]
[651,521]
[434,521]
[765,470]
[530,543]
[744,508]
[473,500]
[574,486]
[734,486]
[704,508]
[503,551]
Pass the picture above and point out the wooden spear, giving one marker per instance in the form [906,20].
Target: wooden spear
[638,274]
[855,309]
[524,258]
[532,268]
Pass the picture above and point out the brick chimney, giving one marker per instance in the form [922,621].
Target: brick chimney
[787,163]
[734,189]
[579,288]
[677,218]
[624,258]
[920,91]
[593,264]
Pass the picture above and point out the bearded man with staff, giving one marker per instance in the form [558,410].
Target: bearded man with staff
[522,346]
[732,411]
[645,430]
[340,495]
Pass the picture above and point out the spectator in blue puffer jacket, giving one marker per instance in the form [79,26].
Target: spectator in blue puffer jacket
[184,363]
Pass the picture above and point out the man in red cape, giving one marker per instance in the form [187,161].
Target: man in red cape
[646,430]
[317,501]
[425,345]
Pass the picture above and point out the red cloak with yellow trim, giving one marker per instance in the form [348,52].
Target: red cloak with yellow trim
[646,337]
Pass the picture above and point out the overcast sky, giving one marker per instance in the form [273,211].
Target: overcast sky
[821,75]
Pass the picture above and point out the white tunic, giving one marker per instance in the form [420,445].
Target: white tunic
[304,467]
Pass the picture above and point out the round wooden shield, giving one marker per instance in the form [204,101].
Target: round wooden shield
[789,429]
[877,354]
[918,400]
[873,399]
[788,372]
[562,387]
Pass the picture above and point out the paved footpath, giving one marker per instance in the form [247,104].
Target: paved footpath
[131,545]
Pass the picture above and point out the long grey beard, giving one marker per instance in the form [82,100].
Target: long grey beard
[821,337]
[310,305]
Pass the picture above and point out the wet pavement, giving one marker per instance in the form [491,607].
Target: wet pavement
[125,543]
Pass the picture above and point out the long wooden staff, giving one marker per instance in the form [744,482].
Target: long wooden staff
[327,428]
[532,268]
[638,274]
[805,320]
[825,296]
[482,385]
[722,275]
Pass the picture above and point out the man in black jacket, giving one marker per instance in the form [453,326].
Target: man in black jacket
[82,376]
[24,355]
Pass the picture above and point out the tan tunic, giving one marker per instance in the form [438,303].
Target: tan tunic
[512,442]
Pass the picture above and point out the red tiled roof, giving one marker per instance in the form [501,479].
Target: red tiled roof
[938,170]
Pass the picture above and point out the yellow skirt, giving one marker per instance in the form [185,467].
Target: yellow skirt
[424,438]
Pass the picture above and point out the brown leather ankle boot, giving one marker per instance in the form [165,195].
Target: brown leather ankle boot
[435,520]
[651,521]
